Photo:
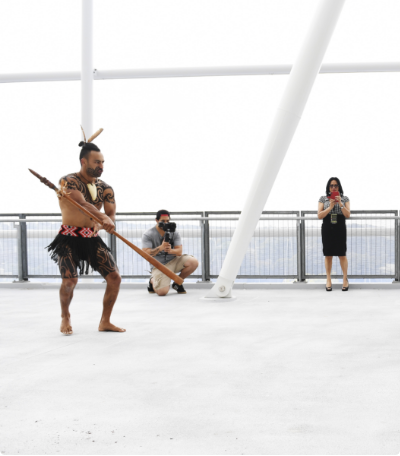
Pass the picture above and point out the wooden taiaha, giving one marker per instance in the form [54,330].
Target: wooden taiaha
[177,279]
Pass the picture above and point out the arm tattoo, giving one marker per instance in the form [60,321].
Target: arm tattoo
[153,252]
[73,183]
[109,198]
[106,193]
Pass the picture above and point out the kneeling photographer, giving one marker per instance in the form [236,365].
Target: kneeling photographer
[164,243]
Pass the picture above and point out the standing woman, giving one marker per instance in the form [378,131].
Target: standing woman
[334,210]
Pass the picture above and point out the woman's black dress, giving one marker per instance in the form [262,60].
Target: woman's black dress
[334,235]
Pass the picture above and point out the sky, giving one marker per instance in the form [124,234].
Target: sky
[190,144]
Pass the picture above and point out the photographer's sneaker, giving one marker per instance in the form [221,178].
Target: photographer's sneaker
[178,288]
[150,287]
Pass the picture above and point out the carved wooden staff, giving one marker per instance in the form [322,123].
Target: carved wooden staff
[146,256]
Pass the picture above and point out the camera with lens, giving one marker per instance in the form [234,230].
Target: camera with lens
[168,228]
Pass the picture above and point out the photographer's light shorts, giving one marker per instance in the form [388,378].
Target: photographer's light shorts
[176,265]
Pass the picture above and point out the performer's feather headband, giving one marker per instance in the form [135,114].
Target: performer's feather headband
[94,136]
[87,145]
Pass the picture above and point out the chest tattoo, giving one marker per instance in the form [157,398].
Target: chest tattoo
[102,191]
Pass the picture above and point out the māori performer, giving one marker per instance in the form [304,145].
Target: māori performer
[78,245]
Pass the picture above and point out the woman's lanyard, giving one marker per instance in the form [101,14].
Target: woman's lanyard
[334,216]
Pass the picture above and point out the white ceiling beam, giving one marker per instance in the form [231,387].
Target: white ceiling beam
[40,77]
[260,70]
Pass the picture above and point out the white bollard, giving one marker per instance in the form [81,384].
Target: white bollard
[301,80]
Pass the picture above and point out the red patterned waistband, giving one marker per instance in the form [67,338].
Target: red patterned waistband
[76,231]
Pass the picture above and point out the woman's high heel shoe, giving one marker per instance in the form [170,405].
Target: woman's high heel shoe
[328,288]
[346,288]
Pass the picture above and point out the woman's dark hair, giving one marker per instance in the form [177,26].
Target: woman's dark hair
[162,212]
[86,149]
[328,188]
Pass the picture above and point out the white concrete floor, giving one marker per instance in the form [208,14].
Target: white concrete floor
[273,372]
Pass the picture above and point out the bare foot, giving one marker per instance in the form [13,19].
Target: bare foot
[66,327]
[104,326]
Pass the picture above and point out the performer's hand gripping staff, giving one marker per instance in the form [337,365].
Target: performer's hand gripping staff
[62,193]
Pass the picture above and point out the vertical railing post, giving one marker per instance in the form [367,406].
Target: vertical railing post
[112,243]
[203,251]
[19,252]
[22,246]
[299,250]
[302,248]
[206,266]
[396,249]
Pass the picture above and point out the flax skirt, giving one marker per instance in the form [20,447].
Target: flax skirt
[334,236]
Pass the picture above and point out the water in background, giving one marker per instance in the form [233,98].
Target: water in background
[272,252]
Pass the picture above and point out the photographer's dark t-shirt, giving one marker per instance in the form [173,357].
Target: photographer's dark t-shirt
[152,239]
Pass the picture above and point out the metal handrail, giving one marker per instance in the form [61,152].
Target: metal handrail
[147,219]
[204,219]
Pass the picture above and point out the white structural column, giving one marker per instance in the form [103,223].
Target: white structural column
[301,80]
[87,67]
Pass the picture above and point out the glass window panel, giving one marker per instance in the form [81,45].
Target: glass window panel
[40,35]
[44,35]
[39,127]
[194,144]
[181,33]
